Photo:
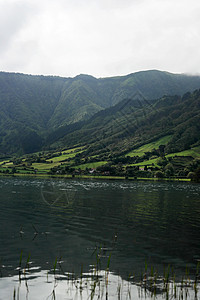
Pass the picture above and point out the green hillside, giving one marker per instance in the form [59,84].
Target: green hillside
[75,162]
[149,147]
[127,126]
[37,111]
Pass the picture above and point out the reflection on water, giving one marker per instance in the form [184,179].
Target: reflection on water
[68,220]
[97,284]
[47,286]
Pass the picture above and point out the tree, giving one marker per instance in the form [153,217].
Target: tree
[197,175]
[191,175]
[159,174]
[169,170]
[13,170]
[162,161]
[162,150]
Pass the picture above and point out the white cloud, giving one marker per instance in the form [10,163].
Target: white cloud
[99,37]
[13,17]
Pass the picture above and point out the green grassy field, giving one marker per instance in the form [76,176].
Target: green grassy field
[149,147]
[4,162]
[194,152]
[65,155]
[71,150]
[92,165]
[150,162]
[8,164]
[44,168]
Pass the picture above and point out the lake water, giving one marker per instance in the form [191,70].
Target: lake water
[58,237]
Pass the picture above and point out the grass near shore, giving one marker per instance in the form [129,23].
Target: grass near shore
[101,177]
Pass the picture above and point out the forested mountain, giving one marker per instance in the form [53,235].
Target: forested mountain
[36,110]
[131,123]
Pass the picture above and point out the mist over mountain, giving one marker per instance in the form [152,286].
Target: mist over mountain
[37,111]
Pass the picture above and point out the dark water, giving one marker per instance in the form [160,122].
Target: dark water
[134,221]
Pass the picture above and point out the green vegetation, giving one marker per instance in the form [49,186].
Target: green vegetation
[194,152]
[138,137]
[132,130]
[74,162]
[149,162]
[149,147]
[64,155]
[93,165]
[38,111]
[100,282]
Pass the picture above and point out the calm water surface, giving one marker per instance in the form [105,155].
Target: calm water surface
[70,220]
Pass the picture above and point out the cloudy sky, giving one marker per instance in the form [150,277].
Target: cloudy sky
[99,37]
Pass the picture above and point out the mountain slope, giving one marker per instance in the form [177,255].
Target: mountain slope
[78,101]
[151,84]
[130,124]
[36,107]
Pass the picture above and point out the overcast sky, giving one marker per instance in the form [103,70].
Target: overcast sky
[99,37]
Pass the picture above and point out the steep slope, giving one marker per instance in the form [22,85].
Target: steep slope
[85,95]
[78,101]
[27,102]
[29,99]
[151,84]
[34,107]
[132,123]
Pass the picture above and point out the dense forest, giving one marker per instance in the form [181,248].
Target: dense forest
[44,112]
[135,122]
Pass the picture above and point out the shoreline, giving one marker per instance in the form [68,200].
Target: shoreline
[47,176]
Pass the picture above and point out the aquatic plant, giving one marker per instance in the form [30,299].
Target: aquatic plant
[97,283]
